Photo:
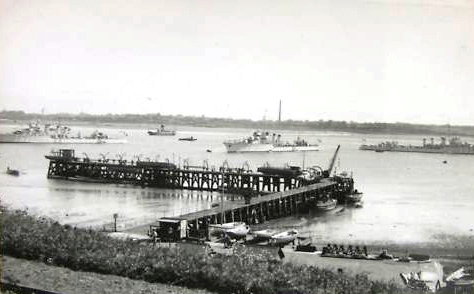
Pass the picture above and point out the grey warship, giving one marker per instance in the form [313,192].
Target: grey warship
[452,146]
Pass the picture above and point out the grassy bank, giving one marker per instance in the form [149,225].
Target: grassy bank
[43,276]
[27,237]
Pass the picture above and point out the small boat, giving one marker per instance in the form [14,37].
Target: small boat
[284,237]
[264,235]
[354,197]
[161,132]
[187,139]
[208,150]
[359,204]
[326,204]
[218,229]
[13,172]
[238,232]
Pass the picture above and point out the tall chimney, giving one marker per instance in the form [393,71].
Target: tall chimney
[279,113]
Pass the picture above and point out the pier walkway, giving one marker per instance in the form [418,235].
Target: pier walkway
[260,209]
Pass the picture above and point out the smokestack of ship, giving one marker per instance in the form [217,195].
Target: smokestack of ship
[279,113]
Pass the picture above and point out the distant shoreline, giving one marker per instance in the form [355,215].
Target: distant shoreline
[155,120]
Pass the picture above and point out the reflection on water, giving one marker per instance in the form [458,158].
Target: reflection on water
[408,197]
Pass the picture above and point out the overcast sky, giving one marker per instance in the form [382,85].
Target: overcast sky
[378,60]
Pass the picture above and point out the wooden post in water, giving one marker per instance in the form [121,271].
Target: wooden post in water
[115,221]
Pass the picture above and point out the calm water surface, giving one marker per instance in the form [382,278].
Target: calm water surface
[408,197]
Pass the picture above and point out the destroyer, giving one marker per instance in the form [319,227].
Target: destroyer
[57,134]
[454,146]
[264,142]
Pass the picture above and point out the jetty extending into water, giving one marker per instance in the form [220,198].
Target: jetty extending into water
[266,196]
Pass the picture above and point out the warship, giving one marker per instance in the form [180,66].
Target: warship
[452,146]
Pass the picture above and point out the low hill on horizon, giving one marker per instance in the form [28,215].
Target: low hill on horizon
[202,121]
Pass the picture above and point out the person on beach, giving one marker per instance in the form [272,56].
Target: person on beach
[365,250]
[155,237]
[227,242]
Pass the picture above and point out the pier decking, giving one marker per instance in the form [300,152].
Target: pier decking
[63,165]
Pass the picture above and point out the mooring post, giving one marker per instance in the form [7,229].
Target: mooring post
[115,221]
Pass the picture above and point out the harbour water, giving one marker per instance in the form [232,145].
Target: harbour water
[408,197]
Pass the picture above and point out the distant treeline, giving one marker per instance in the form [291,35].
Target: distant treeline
[202,121]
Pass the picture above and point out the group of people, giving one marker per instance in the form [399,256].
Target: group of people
[341,250]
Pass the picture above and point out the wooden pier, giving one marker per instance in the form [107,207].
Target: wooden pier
[64,165]
[280,204]
[267,196]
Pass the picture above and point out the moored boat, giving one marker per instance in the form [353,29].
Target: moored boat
[326,204]
[187,139]
[238,232]
[217,229]
[13,172]
[354,197]
[284,237]
[161,131]
[264,235]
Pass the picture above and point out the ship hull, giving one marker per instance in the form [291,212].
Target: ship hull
[294,148]
[234,148]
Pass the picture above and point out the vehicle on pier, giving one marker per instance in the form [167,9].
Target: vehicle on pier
[289,171]
[161,131]
[170,229]
[264,142]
